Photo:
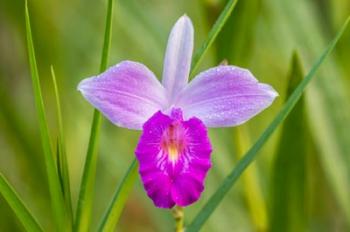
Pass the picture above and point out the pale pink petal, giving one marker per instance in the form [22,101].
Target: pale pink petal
[225,96]
[177,61]
[128,94]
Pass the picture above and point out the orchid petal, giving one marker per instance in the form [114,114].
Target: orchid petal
[177,61]
[225,96]
[127,94]
[174,157]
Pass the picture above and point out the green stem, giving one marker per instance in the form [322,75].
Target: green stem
[178,214]
[87,185]
[14,201]
[62,164]
[84,207]
[55,189]
[112,215]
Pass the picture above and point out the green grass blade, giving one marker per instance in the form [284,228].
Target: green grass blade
[107,37]
[251,180]
[217,197]
[111,217]
[85,200]
[328,100]
[235,41]
[62,166]
[54,184]
[288,185]
[24,216]
[220,22]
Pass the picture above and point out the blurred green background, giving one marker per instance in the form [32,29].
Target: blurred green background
[301,179]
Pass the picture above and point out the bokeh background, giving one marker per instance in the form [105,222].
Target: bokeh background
[298,183]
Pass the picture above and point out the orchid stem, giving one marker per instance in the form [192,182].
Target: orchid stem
[178,214]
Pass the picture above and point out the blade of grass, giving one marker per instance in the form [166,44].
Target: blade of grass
[62,166]
[288,203]
[229,181]
[213,33]
[24,216]
[86,194]
[251,183]
[53,180]
[235,41]
[328,101]
[111,216]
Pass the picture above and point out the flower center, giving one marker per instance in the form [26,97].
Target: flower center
[173,152]
[173,141]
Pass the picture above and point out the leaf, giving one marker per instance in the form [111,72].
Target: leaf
[229,181]
[53,179]
[24,216]
[213,33]
[62,166]
[235,41]
[111,216]
[251,183]
[288,184]
[86,194]
[328,99]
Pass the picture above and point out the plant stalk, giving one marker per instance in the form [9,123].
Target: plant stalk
[178,214]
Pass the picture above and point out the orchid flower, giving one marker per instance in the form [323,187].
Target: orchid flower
[174,149]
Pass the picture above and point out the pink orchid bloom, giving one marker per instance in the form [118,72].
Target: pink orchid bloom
[174,148]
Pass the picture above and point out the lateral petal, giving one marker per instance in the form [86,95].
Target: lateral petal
[128,94]
[225,96]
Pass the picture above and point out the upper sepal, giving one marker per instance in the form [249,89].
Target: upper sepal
[178,55]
